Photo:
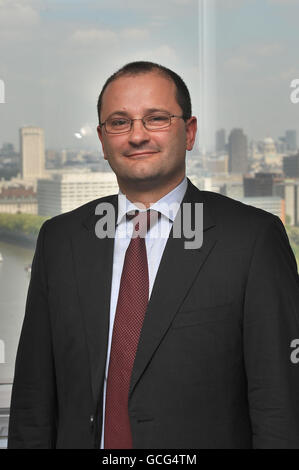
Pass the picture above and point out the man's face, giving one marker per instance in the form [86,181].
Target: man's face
[141,156]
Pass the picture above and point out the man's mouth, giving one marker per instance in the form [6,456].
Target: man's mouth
[141,154]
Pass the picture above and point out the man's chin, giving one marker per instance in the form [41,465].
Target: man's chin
[143,178]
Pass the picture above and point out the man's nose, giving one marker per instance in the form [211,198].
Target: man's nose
[138,133]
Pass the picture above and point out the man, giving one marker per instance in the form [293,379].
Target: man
[141,342]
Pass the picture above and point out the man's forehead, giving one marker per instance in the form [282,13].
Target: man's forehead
[148,87]
[130,83]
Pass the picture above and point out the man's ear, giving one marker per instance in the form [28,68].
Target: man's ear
[100,134]
[191,129]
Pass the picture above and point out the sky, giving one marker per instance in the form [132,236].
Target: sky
[238,58]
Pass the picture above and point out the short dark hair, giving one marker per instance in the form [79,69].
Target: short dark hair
[141,67]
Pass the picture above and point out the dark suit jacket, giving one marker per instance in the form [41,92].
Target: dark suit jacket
[213,367]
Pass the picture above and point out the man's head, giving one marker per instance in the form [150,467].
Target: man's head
[146,157]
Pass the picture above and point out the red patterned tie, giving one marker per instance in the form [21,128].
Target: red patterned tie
[131,306]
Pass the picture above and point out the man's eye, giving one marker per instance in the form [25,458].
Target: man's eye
[118,122]
[158,118]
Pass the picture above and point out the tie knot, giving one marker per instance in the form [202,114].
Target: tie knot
[143,221]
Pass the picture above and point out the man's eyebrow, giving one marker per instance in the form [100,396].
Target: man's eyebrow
[154,110]
[120,113]
[147,111]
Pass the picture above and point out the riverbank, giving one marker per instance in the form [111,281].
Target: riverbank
[18,238]
[20,229]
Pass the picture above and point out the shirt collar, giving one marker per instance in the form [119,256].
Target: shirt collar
[171,200]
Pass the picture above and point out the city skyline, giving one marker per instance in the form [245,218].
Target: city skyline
[78,144]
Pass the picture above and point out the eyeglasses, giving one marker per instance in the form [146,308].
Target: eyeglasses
[152,122]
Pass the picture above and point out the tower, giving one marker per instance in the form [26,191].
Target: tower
[32,149]
[238,152]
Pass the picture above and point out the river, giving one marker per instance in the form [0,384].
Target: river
[14,282]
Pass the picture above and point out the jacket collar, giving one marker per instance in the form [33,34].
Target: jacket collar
[192,195]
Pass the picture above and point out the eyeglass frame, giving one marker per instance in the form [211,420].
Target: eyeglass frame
[142,119]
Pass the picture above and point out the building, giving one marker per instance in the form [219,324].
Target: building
[269,147]
[202,183]
[18,199]
[281,145]
[259,185]
[217,165]
[291,140]
[63,157]
[292,201]
[233,189]
[272,158]
[221,140]
[32,149]
[238,152]
[222,183]
[291,166]
[273,204]
[7,150]
[65,191]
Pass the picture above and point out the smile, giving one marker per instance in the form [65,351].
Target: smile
[141,154]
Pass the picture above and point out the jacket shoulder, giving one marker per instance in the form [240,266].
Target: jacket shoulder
[72,220]
[234,211]
[240,225]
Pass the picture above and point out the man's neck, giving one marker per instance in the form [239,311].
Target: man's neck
[147,197]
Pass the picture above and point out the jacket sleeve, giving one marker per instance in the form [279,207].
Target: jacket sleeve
[33,409]
[271,324]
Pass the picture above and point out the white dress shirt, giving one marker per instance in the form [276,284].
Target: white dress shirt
[155,241]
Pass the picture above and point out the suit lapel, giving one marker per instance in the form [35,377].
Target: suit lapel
[93,258]
[177,270]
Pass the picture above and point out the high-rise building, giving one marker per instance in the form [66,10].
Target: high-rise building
[65,191]
[32,149]
[7,149]
[217,165]
[273,204]
[291,166]
[238,152]
[220,140]
[232,189]
[291,140]
[292,201]
[281,145]
[259,185]
[63,157]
